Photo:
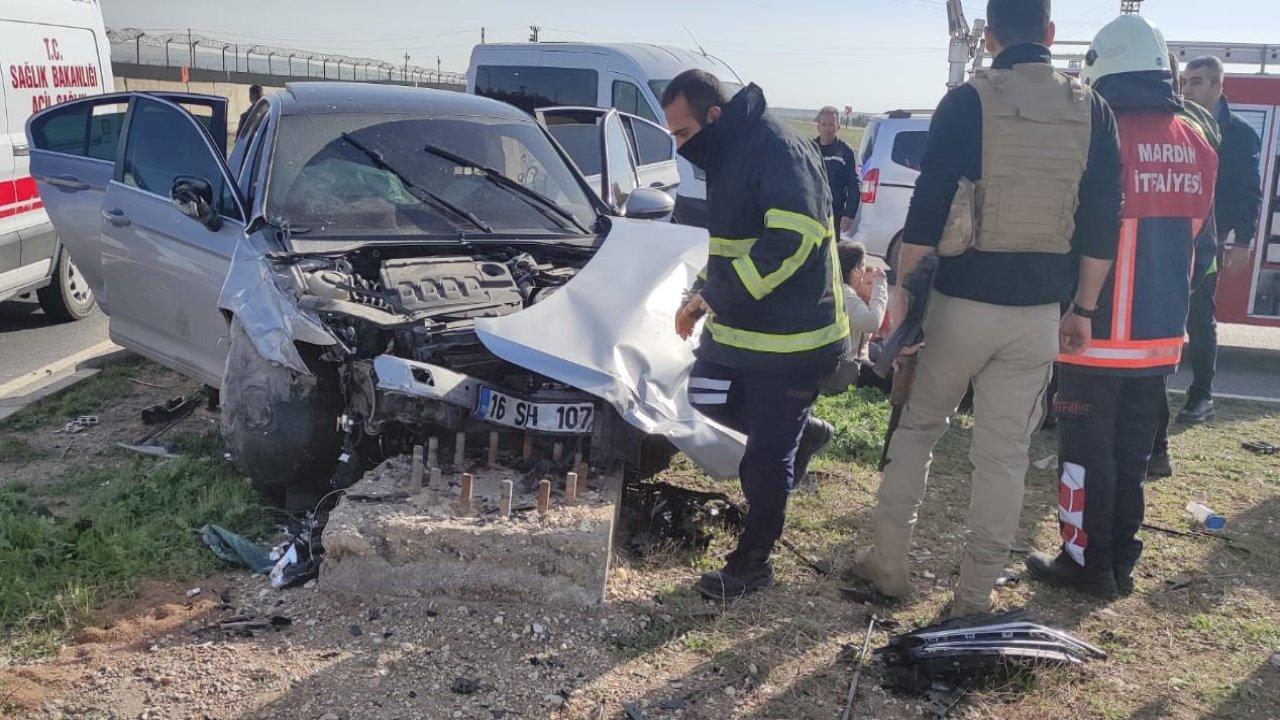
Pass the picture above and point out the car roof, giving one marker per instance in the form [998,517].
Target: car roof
[660,62]
[304,98]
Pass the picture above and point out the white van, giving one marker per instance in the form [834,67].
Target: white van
[626,76]
[50,51]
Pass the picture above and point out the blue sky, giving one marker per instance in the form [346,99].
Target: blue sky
[871,54]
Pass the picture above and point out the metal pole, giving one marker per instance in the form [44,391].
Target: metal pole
[137,48]
[191,50]
[324,68]
[269,62]
[166,52]
[224,58]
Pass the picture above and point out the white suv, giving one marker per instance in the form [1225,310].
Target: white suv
[890,159]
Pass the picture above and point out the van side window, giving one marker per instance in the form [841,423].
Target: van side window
[530,88]
[163,145]
[627,99]
[90,130]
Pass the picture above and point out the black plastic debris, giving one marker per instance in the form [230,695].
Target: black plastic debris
[658,514]
[164,412]
[244,625]
[1259,447]
[945,660]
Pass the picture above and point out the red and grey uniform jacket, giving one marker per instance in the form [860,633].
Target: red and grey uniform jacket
[1169,167]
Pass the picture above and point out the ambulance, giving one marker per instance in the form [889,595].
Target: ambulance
[51,51]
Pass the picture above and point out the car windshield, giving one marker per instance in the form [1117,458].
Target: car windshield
[660,86]
[367,173]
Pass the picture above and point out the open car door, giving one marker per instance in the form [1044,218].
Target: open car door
[74,148]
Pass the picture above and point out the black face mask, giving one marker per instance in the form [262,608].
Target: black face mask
[703,148]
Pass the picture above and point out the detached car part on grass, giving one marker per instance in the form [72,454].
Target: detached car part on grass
[377,265]
[946,660]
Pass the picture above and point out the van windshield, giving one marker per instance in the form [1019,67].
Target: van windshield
[660,86]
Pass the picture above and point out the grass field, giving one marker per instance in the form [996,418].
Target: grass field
[81,522]
[852,136]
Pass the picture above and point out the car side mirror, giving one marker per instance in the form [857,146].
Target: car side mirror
[648,204]
[193,197]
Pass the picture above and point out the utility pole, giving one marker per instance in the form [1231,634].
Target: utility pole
[481,34]
[533,33]
[437,68]
[406,67]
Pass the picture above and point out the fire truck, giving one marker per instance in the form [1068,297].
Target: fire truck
[1249,279]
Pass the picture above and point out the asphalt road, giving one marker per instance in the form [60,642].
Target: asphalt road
[1248,358]
[29,340]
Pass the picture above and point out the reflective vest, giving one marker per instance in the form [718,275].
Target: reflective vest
[1169,168]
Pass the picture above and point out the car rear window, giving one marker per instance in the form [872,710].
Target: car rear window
[868,142]
[908,147]
[530,88]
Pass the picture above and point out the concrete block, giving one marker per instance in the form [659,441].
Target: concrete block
[383,542]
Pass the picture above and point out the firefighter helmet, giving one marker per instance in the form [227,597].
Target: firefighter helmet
[1130,43]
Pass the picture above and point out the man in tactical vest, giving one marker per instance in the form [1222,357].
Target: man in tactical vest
[1111,396]
[1019,197]
[771,293]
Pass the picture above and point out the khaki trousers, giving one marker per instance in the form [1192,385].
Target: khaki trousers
[1007,353]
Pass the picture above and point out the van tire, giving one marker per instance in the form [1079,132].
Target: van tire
[68,296]
[279,425]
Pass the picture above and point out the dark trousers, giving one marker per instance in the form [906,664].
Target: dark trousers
[1106,427]
[771,409]
[1201,354]
[1202,336]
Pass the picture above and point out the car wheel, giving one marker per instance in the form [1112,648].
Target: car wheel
[891,259]
[280,426]
[68,296]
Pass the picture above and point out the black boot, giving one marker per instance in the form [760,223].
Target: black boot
[1159,466]
[817,433]
[746,570]
[1195,412]
[1124,583]
[1062,571]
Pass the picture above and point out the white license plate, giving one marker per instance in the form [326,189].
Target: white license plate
[504,409]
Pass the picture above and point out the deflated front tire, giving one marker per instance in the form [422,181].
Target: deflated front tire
[280,425]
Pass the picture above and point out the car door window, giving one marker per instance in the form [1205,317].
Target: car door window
[86,130]
[164,144]
[627,98]
[651,143]
[622,173]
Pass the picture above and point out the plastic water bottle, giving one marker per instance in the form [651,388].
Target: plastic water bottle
[1203,515]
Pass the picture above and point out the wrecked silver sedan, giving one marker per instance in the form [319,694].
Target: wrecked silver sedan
[348,278]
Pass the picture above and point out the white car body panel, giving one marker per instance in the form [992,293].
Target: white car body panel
[615,337]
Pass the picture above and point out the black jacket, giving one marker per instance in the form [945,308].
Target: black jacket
[1239,194]
[954,150]
[842,177]
[772,280]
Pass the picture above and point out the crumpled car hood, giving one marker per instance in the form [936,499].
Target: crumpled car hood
[610,332]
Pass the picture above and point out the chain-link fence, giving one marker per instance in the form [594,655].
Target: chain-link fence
[132,45]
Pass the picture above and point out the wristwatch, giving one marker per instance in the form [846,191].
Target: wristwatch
[1087,314]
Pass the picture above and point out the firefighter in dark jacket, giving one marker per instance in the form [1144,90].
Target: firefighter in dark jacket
[1109,395]
[771,297]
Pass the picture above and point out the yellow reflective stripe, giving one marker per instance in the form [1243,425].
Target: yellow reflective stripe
[811,233]
[837,284]
[750,277]
[702,274]
[726,247]
[797,222]
[777,343]
[1213,267]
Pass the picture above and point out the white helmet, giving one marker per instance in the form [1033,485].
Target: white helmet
[1130,43]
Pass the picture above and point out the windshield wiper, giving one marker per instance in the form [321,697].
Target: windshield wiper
[422,194]
[535,198]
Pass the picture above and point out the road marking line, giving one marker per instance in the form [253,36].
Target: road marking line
[1233,396]
[52,370]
